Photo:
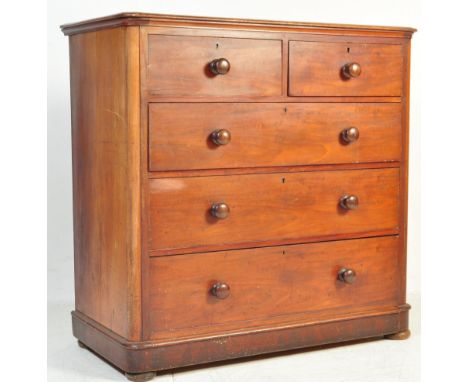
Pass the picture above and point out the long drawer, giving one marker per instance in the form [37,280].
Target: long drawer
[213,212]
[182,136]
[230,287]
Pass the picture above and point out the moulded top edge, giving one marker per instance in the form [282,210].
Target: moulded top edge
[136,18]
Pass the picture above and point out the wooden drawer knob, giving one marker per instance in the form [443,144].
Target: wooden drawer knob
[347,275]
[220,290]
[349,202]
[350,135]
[220,66]
[220,210]
[221,137]
[351,70]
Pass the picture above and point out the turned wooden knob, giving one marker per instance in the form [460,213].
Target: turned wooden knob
[347,275]
[220,210]
[350,135]
[220,290]
[349,202]
[220,66]
[221,137]
[351,70]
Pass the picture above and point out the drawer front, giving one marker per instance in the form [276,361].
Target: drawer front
[265,208]
[268,282]
[180,66]
[319,69]
[182,136]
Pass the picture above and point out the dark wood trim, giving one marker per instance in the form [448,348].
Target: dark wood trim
[289,34]
[271,170]
[273,99]
[138,357]
[144,166]
[271,243]
[404,171]
[136,18]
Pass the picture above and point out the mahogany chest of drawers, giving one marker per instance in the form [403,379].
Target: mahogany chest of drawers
[240,187]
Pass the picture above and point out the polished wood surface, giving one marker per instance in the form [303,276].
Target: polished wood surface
[268,207]
[298,278]
[315,69]
[139,356]
[106,189]
[255,66]
[270,134]
[240,186]
[144,19]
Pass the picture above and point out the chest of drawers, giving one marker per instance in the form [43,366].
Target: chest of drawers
[240,187]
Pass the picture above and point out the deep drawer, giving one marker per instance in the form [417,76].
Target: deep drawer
[267,208]
[321,69]
[265,283]
[180,66]
[181,135]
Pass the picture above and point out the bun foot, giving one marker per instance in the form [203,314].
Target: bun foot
[399,336]
[140,377]
[82,345]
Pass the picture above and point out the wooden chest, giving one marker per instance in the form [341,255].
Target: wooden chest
[240,187]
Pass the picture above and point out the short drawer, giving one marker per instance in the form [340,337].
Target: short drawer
[325,69]
[269,208]
[249,287]
[180,66]
[184,136]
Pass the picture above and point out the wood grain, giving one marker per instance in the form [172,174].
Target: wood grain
[315,69]
[268,282]
[265,135]
[266,207]
[162,355]
[144,19]
[178,66]
[105,134]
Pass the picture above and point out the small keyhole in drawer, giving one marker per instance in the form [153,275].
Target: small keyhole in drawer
[349,49]
[283,180]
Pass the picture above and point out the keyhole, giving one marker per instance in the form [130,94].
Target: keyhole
[349,49]
[283,180]
[217,45]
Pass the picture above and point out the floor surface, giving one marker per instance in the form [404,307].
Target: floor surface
[376,360]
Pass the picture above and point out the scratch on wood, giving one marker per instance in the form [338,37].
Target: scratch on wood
[116,114]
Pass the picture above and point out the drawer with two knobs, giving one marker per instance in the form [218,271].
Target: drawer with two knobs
[194,214]
[198,136]
[233,290]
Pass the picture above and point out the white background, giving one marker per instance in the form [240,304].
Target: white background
[68,362]
[23,288]
[444,136]
[443,97]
